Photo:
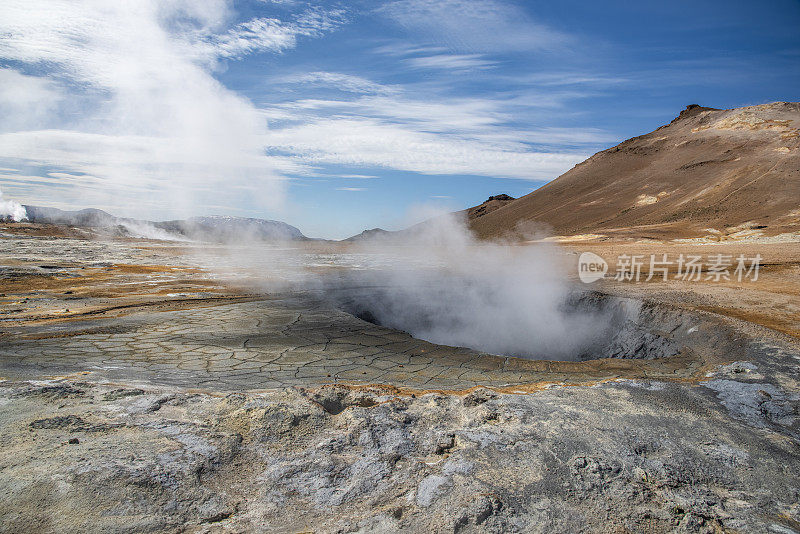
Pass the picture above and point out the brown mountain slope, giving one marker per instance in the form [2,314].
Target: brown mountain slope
[727,170]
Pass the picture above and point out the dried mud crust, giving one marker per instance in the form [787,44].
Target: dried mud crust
[297,340]
[772,301]
[140,311]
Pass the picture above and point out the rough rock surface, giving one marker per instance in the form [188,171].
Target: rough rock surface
[621,456]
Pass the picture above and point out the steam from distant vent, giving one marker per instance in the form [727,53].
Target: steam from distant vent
[12,210]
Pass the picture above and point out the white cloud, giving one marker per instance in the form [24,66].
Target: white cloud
[68,176]
[25,100]
[129,113]
[437,114]
[404,49]
[254,36]
[361,141]
[435,136]
[351,188]
[568,78]
[158,171]
[268,34]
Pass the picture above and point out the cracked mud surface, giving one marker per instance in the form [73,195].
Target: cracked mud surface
[293,341]
[150,314]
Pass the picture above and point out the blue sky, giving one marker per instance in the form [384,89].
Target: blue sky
[337,117]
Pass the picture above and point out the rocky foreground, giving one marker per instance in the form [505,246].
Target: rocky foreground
[614,457]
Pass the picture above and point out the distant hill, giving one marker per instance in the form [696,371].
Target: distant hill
[375,233]
[227,229]
[213,228]
[734,170]
[491,204]
[86,217]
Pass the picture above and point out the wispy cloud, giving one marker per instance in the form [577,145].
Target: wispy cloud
[437,135]
[338,80]
[269,34]
[434,113]
[373,142]
[397,48]
[351,188]
[473,25]
[451,61]
[560,78]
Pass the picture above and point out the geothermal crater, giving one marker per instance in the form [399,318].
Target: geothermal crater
[604,326]
[425,330]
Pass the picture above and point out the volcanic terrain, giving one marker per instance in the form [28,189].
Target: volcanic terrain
[186,385]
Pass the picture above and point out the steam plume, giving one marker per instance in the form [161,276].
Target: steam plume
[438,283]
[11,210]
[446,287]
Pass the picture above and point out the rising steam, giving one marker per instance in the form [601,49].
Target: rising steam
[438,283]
[11,210]
[446,287]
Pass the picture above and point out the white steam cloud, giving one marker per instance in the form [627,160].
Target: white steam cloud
[444,286]
[436,282]
[11,210]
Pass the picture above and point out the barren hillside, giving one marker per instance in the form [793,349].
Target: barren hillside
[722,172]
